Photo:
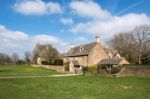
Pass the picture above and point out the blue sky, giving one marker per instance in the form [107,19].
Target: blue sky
[23,23]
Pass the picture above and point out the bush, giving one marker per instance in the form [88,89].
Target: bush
[85,69]
[105,68]
[115,70]
[90,69]
[58,62]
[53,62]
[45,62]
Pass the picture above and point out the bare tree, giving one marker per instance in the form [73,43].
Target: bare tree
[15,58]
[135,45]
[141,35]
[46,52]
[27,55]
[124,44]
[4,59]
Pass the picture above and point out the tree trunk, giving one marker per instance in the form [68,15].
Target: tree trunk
[140,58]
[140,51]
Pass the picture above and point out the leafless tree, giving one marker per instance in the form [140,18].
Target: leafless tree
[27,55]
[135,45]
[142,35]
[15,58]
[124,44]
[46,52]
[4,59]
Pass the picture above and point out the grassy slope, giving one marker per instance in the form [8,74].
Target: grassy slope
[78,87]
[24,71]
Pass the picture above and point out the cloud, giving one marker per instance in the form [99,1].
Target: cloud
[36,7]
[89,8]
[111,26]
[46,39]
[11,36]
[66,21]
[17,41]
[103,22]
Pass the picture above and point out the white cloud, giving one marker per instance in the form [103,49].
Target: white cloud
[88,8]
[45,39]
[66,21]
[17,41]
[49,39]
[111,26]
[103,23]
[12,35]
[36,7]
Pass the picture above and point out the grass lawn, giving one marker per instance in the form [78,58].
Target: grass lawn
[25,71]
[76,87]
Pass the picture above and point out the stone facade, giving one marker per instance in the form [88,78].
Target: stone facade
[96,55]
[89,55]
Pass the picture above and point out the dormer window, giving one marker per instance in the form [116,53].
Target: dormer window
[118,56]
[81,49]
[110,55]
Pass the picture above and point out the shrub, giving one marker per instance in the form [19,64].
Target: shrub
[90,69]
[115,70]
[45,62]
[85,69]
[105,68]
[54,62]
[58,62]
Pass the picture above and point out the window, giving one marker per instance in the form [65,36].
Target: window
[81,49]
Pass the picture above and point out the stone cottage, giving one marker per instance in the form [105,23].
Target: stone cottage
[92,54]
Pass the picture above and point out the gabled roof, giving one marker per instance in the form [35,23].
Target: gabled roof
[82,49]
[113,52]
[113,61]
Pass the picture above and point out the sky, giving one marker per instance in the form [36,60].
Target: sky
[24,23]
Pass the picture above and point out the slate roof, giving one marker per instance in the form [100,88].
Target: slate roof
[113,61]
[82,49]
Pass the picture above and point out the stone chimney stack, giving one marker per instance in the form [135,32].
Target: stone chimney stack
[71,46]
[97,39]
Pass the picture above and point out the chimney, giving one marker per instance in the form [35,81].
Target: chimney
[71,46]
[97,39]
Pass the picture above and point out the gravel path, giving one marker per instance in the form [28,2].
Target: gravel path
[61,75]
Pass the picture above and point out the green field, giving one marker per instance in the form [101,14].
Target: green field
[77,87]
[25,71]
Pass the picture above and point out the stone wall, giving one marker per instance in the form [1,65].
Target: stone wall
[131,70]
[57,68]
[97,54]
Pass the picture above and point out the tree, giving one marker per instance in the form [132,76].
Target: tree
[135,45]
[15,58]
[36,52]
[47,52]
[124,44]
[142,35]
[27,55]
[4,59]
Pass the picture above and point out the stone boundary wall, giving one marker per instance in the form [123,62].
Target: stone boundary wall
[133,70]
[57,68]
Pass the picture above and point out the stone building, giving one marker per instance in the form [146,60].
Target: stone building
[91,54]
